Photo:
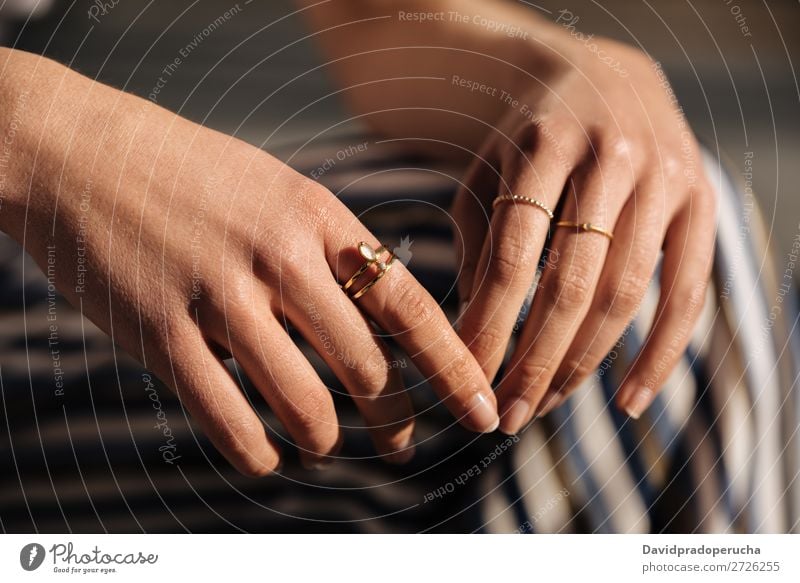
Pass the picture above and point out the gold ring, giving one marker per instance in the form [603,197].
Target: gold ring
[586,227]
[526,199]
[384,267]
[371,257]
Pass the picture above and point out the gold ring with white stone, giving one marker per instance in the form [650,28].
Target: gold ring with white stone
[371,257]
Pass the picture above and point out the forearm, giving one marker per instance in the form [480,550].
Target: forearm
[46,113]
[404,64]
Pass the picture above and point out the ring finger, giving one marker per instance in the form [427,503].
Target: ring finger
[403,308]
[566,291]
[510,255]
[287,381]
[627,272]
[347,342]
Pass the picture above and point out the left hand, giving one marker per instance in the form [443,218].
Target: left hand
[611,150]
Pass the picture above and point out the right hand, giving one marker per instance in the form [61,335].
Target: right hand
[196,245]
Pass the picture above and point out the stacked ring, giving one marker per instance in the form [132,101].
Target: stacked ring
[588,227]
[371,257]
[524,199]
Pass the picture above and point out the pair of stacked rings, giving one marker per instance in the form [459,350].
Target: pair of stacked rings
[371,257]
[585,227]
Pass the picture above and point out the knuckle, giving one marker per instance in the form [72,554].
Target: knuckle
[551,130]
[550,126]
[573,372]
[509,257]
[671,167]
[532,373]
[312,408]
[617,150]
[238,290]
[460,368]
[369,370]
[535,372]
[568,289]
[487,340]
[408,303]
[283,259]
[622,299]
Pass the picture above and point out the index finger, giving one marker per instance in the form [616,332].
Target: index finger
[403,308]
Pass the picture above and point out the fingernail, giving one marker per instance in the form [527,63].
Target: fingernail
[515,416]
[482,414]
[638,402]
[404,454]
[318,465]
[321,463]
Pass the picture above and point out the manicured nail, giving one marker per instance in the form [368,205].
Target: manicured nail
[482,415]
[404,454]
[638,402]
[324,462]
[515,416]
[318,465]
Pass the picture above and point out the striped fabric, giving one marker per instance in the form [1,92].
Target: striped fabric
[84,433]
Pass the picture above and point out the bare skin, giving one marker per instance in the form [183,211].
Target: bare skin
[576,135]
[197,245]
[587,126]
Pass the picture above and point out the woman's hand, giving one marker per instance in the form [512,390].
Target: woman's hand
[586,125]
[601,141]
[185,244]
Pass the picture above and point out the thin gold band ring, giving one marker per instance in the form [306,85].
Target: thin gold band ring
[386,267]
[588,227]
[515,198]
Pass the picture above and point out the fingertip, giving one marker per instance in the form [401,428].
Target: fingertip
[514,416]
[256,468]
[638,402]
[312,460]
[482,414]
[402,455]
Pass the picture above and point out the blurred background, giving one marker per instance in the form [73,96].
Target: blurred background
[731,62]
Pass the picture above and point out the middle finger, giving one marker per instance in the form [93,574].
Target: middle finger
[403,308]
[566,291]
